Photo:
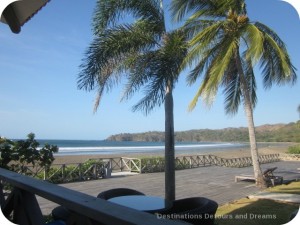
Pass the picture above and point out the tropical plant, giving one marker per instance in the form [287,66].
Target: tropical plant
[224,48]
[16,155]
[131,42]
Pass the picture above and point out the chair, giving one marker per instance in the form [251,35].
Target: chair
[195,210]
[62,213]
[116,192]
[56,222]
[270,178]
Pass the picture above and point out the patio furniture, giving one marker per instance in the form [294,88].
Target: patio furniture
[145,203]
[271,178]
[56,222]
[116,192]
[195,210]
[247,177]
[268,175]
[62,213]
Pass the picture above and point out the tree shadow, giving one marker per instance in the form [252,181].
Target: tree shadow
[258,212]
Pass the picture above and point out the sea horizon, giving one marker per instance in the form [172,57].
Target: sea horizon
[104,147]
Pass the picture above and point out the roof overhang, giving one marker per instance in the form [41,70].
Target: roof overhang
[16,14]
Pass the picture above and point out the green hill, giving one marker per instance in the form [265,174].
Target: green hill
[265,133]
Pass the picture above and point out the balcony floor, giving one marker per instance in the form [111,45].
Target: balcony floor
[216,183]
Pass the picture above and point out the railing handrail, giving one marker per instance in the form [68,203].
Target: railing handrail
[83,204]
[142,166]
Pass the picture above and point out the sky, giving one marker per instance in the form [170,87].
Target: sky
[40,65]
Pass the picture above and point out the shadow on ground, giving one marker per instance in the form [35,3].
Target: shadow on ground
[255,212]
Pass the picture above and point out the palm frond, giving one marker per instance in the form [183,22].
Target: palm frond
[220,60]
[207,34]
[233,93]
[205,8]
[154,96]
[109,13]
[213,8]
[255,41]
[109,55]
[149,73]
[276,64]
[233,86]
[204,59]
[111,48]
[140,73]
[193,27]
[267,30]
[154,69]
[251,82]
[207,38]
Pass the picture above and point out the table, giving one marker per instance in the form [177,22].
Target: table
[144,203]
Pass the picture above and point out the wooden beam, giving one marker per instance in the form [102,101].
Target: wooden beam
[83,204]
[12,19]
[2,198]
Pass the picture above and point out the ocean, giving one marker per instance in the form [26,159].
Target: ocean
[93,147]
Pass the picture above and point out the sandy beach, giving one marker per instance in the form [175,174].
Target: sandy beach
[234,153]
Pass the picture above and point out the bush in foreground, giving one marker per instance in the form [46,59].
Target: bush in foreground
[16,155]
[294,149]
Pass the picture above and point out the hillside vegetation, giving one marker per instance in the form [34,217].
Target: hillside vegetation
[265,133]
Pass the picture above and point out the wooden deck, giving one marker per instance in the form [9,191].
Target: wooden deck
[216,183]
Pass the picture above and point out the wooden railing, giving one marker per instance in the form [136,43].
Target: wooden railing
[74,172]
[195,161]
[131,164]
[90,171]
[290,157]
[24,209]
[122,164]
[209,160]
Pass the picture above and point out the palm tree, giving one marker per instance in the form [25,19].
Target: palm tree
[224,48]
[140,50]
[298,109]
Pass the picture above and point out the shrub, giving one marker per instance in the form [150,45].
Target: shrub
[91,169]
[17,155]
[153,164]
[294,149]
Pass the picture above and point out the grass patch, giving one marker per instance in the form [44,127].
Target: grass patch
[295,149]
[292,188]
[253,212]
[259,211]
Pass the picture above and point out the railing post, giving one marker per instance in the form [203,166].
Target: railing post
[95,171]
[2,199]
[46,168]
[140,166]
[121,164]
[63,172]
[24,206]
[111,164]
[80,171]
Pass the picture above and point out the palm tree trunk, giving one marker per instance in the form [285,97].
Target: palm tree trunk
[260,182]
[169,135]
[169,146]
